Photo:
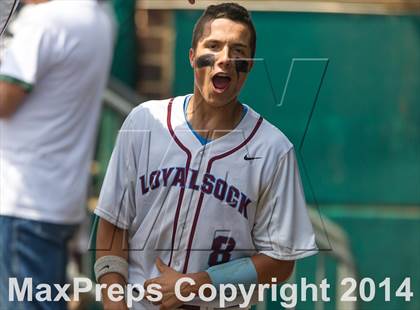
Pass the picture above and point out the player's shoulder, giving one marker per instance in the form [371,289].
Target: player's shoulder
[270,138]
[146,110]
[152,107]
[151,111]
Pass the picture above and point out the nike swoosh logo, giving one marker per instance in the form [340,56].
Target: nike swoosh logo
[104,267]
[246,157]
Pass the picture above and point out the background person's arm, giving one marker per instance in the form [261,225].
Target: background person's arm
[27,58]
[11,97]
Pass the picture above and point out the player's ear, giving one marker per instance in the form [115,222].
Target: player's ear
[192,57]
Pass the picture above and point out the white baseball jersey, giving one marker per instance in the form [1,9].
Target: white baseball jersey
[196,205]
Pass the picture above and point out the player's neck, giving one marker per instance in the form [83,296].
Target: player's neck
[218,121]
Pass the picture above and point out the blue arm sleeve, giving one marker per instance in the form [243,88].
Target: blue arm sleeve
[238,271]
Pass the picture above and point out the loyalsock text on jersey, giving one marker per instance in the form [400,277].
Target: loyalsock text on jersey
[210,185]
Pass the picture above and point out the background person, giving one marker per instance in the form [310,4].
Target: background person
[52,76]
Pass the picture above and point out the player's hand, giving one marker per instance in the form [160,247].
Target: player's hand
[110,305]
[109,279]
[167,280]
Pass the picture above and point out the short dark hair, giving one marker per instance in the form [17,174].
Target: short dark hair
[232,11]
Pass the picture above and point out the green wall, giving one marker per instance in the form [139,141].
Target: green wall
[124,69]
[363,143]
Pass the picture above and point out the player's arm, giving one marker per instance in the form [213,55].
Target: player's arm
[258,269]
[261,271]
[265,267]
[111,241]
[11,97]
[268,267]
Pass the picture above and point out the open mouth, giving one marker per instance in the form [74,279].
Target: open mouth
[221,82]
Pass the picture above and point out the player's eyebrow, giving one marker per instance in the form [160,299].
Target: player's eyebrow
[209,41]
[240,45]
[215,41]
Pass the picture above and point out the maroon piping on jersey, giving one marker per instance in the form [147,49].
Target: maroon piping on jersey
[200,200]
[187,168]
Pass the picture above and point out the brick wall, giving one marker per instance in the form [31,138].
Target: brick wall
[156,37]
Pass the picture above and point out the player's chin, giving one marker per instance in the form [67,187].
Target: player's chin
[220,101]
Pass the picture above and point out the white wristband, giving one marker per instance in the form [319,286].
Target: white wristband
[111,263]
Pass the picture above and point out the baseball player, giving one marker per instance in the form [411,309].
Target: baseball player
[201,185]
